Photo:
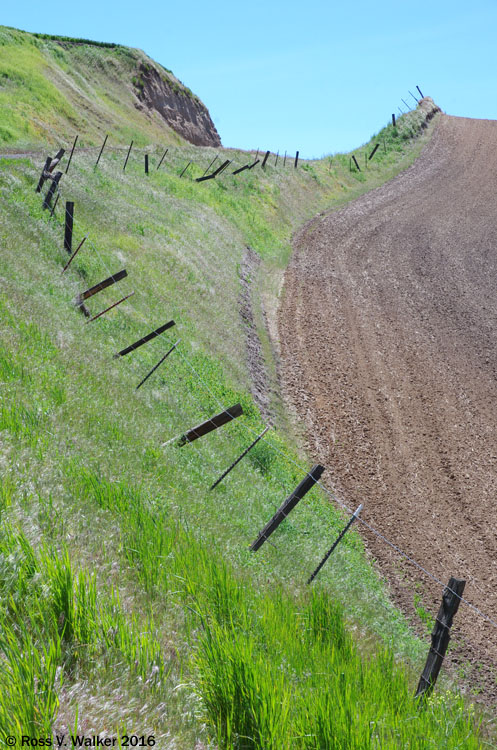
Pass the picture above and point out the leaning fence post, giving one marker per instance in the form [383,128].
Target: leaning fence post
[166,355]
[408,107]
[75,253]
[81,298]
[213,175]
[145,339]
[276,160]
[44,171]
[355,162]
[296,159]
[416,100]
[101,150]
[111,307]
[55,204]
[393,120]
[208,426]
[210,165]
[265,160]
[440,636]
[284,160]
[127,157]
[305,485]
[373,152]
[51,190]
[335,543]
[72,152]
[420,92]
[183,172]
[259,437]
[58,156]
[162,157]
[68,226]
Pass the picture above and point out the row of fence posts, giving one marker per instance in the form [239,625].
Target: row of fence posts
[452,593]
[394,123]
[204,177]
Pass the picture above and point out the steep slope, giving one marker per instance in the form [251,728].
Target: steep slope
[390,356]
[124,577]
[52,88]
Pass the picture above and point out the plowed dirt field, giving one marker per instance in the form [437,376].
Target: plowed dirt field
[388,330]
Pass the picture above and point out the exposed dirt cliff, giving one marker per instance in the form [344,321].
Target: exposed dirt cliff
[52,88]
[183,111]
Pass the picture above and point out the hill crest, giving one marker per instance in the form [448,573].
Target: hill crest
[54,87]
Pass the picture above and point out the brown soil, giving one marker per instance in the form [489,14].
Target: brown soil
[182,111]
[388,329]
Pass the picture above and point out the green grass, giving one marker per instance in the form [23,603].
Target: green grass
[117,563]
[52,88]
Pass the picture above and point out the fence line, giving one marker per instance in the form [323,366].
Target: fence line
[288,458]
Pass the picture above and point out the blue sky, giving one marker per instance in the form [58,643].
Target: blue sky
[314,76]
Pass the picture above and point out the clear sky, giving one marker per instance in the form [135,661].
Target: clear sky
[315,76]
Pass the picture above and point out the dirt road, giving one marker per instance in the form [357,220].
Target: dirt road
[388,328]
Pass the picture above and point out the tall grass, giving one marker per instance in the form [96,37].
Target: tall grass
[260,660]
[52,623]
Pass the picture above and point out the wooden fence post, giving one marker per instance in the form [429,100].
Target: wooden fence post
[44,171]
[51,190]
[408,107]
[416,100]
[145,339]
[213,175]
[209,425]
[265,160]
[296,159]
[58,156]
[100,286]
[393,120]
[68,226]
[276,160]
[146,163]
[420,92]
[440,636]
[305,485]
[373,152]
[284,160]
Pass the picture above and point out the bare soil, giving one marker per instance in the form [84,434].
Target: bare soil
[388,330]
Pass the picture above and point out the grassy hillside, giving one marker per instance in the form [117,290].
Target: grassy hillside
[129,583]
[52,88]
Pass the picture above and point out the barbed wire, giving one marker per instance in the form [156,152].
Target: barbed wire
[291,460]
